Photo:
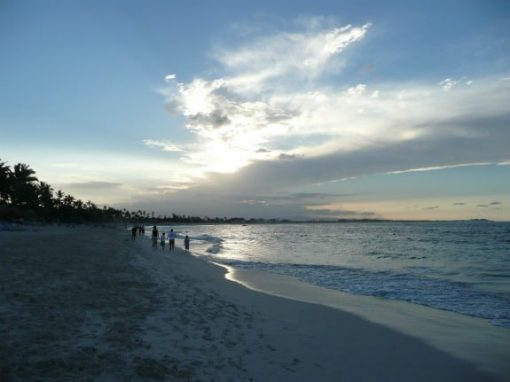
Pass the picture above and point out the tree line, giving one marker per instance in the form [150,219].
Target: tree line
[24,197]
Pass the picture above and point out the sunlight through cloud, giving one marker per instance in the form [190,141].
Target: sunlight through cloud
[271,103]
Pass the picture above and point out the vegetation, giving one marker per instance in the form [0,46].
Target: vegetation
[24,197]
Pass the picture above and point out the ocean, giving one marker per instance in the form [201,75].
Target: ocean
[462,267]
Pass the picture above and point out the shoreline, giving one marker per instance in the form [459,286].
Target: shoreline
[473,339]
[87,303]
[436,266]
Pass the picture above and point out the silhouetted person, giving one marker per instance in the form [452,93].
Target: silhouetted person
[171,239]
[133,233]
[162,240]
[154,236]
[186,243]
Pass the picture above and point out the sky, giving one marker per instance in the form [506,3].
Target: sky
[263,109]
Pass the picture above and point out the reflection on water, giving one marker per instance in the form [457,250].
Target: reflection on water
[459,266]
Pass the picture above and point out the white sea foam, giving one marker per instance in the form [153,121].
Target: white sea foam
[458,266]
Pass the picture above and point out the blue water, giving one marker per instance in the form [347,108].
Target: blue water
[457,266]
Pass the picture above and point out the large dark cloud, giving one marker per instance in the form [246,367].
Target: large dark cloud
[91,186]
[215,119]
[269,184]
[488,144]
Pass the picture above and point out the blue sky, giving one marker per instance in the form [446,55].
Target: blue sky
[394,109]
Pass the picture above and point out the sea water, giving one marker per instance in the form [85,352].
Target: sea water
[462,267]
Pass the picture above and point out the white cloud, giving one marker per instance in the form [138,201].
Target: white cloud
[165,146]
[233,131]
[271,104]
[435,168]
[170,77]
[235,116]
[447,84]
[305,55]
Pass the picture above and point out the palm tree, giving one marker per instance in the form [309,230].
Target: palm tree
[59,199]
[5,174]
[68,201]
[45,196]
[23,172]
[23,186]
[78,205]
[90,205]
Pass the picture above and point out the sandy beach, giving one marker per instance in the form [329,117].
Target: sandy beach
[88,304]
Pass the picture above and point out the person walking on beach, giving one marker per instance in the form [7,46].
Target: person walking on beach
[154,237]
[171,239]
[186,243]
[162,240]
[133,233]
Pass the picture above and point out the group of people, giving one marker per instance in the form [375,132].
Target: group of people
[137,229]
[171,239]
[140,230]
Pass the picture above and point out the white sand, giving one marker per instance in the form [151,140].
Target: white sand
[89,304]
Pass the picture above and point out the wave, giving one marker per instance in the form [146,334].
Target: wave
[207,238]
[207,244]
[458,267]
[413,285]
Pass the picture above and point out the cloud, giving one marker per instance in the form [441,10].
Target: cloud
[321,213]
[170,77]
[434,168]
[92,185]
[233,132]
[430,208]
[272,100]
[447,84]
[254,202]
[318,195]
[459,204]
[176,186]
[302,198]
[242,116]
[165,146]
[305,54]
[384,157]
[488,205]
[286,156]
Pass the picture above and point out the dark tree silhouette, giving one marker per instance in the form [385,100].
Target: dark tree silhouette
[23,187]
[5,174]
[23,196]
[59,199]
[45,196]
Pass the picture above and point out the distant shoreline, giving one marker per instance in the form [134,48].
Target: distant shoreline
[7,225]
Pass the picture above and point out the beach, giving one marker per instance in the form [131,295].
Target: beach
[89,304]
